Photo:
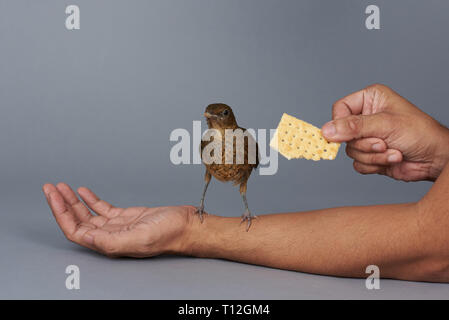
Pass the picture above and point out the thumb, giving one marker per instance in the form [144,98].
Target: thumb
[355,127]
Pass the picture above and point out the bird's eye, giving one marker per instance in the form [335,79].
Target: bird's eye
[226,112]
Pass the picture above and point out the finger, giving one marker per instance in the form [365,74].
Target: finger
[368,169]
[66,220]
[81,211]
[99,206]
[355,127]
[81,235]
[368,145]
[407,171]
[391,156]
[47,189]
[71,226]
[350,105]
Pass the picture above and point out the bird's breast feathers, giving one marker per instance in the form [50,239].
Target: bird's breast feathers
[238,158]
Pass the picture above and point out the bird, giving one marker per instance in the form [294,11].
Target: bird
[221,118]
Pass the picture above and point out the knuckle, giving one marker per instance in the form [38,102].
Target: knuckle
[364,169]
[350,152]
[354,125]
[351,144]
[377,86]
[373,158]
[348,149]
[335,106]
[358,167]
[355,144]
[361,144]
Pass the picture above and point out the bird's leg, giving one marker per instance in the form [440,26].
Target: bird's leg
[200,209]
[246,216]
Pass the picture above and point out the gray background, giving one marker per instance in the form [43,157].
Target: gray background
[95,107]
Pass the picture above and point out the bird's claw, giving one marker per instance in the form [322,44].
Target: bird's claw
[200,212]
[247,217]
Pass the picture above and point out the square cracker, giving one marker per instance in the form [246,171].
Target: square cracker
[296,139]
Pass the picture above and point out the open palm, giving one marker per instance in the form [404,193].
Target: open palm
[134,232]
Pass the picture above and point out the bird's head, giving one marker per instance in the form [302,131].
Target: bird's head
[220,116]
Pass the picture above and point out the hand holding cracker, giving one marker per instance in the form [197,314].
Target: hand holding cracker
[386,134]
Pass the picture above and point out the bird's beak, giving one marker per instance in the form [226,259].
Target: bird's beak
[209,115]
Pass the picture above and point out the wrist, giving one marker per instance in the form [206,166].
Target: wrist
[192,239]
[206,239]
[182,241]
[192,235]
[441,157]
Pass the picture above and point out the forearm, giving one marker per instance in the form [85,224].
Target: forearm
[340,241]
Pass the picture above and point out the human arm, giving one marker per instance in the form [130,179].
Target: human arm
[406,241]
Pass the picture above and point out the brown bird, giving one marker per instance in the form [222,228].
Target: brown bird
[245,155]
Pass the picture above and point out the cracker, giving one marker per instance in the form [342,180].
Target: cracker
[296,139]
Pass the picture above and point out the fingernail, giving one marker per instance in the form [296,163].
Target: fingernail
[377,147]
[89,238]
[329,129]
[393,158]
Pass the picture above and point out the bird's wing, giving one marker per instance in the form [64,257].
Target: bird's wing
[250,140]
